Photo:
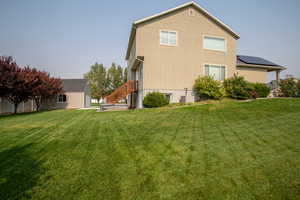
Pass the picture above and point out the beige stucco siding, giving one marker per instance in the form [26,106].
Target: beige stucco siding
[74,100]
[131,59]
[177,67]
[253,74]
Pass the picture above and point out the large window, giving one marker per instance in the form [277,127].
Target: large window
[214,43]
[215,71]
[62,98]
[168,38]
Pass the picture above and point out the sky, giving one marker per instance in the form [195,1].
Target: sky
[65,37]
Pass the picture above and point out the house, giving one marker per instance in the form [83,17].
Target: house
[76,95]
[168,51]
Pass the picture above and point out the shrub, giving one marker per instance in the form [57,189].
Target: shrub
[208,88]
[261,89]
[289,87]
[254,94]
[298,88]
[237,87]
[155,99]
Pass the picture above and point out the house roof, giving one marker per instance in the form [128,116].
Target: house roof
[192,3]
[257,62]
[74,85]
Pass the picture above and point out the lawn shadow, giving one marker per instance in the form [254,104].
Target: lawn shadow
[19,173]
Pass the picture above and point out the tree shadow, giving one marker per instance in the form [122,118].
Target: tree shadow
[19,173]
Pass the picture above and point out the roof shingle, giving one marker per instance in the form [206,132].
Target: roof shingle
[74,85]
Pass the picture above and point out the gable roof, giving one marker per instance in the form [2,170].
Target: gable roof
[257,62]
[74,85]
[192,3]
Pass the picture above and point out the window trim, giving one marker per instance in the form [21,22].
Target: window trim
[218,65]
[167,30]
[217,37]
[62,101]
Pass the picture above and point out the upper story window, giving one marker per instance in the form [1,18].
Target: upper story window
[215,71]
[214,43]
[168,38]
[62,98]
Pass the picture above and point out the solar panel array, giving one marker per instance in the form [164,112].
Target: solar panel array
[256,60]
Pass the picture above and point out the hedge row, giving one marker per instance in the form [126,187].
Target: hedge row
[235,87]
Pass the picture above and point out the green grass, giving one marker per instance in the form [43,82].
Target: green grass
[232,150]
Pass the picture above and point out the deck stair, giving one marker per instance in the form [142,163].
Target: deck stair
[122,92]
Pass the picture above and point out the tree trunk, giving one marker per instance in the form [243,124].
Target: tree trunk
[15,108]
[37,103]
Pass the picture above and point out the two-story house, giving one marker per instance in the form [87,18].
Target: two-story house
[168,51]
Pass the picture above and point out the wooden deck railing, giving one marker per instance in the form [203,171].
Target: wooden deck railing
[122,92]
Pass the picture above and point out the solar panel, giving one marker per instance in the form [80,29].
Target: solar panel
[256,60]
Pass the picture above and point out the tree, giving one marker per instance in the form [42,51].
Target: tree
[115,76]
[98,81]
[8,71]
[20,87]
[125,75]
[15,82]
[47,87]
[21,84]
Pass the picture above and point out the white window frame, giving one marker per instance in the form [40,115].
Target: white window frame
[62,101]
[216,65]
[169,31]
[216,37]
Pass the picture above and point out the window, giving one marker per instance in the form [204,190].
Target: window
[214,43]
[168,38]
[215,71]
[62,98]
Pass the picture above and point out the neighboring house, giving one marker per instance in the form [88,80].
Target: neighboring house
[76,95]
[168,51]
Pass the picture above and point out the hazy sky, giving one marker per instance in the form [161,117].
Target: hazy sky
[65,37]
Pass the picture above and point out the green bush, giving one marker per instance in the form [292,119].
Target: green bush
[237,87]
[155,99]
[298,88]
[261,89]
[289,87]
[207,88]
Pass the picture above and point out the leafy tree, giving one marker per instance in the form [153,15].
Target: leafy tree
[21,84]
[125,75]
[8,71]
[16,83]
[47,87]
[97,77]
[115,76]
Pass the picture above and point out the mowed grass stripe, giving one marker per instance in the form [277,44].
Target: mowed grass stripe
[26,130]
[229,150]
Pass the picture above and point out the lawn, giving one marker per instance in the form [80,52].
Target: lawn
[232,150]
